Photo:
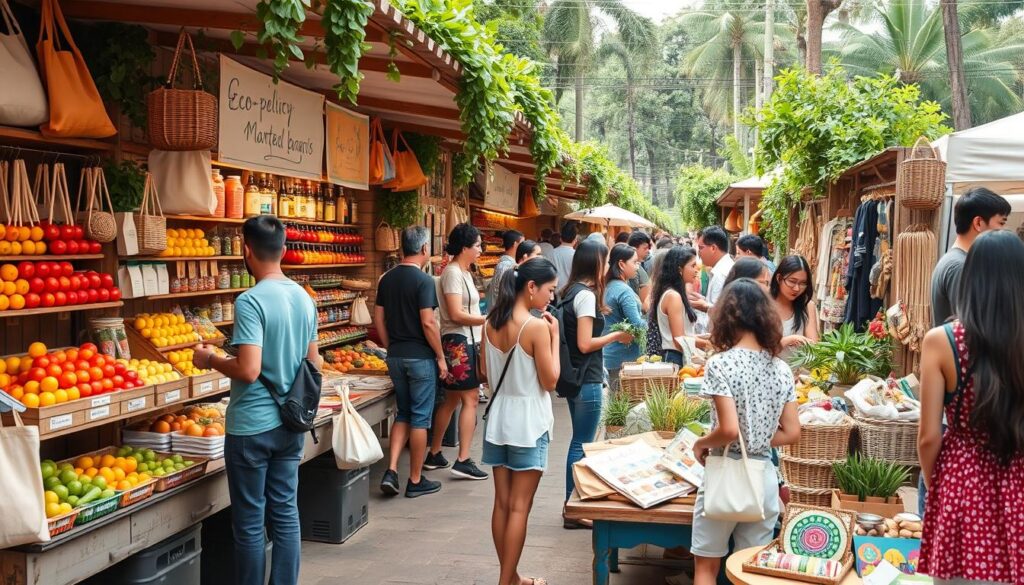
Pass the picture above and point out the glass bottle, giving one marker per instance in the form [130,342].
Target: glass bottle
[224,278]
[228,309]
[268,196]
[225,244]
[236,244]
[236,278]
[330,205]
[217,183]
[251,206]
[216,310]
[300,201]
[320,203]
[287,205]
[342,207]
[353,216]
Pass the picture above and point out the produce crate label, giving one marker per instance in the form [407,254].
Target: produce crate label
[136,404]
[224,384]
[60,422]
[206,387]
[100,401]
[101,412]
[172,396]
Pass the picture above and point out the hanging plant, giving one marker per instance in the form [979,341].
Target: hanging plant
[344,23]
[126,181]
[120,57]
[393,73]
[400,209]
[427,150]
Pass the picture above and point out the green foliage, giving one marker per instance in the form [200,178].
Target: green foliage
[866,477]
[638,332]
[126,182]
[740,163]
[400,209]
[279,34]
[814,128]
[344,24]
[697,188]
[427,150]
[847,355]
[120,57]
[617,409]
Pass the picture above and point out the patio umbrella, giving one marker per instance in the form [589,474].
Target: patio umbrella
[610,215]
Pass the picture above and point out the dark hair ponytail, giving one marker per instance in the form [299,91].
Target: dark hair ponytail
[512,282]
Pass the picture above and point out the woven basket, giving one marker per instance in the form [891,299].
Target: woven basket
[810,497]
[807,473]
[99,224]
[182,119]
[150,223]
[822,442]
[636,386]
[355,284]
[386,238]
[921,179]
[888,440]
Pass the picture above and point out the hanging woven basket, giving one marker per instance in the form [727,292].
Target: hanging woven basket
[921,179]
[182,119]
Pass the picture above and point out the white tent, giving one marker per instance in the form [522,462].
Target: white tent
[989,156]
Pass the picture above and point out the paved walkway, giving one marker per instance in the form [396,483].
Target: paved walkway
[445,538]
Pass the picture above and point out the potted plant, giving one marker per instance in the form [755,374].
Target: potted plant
[615,413]
[847,356]
[668,414]
[869,485]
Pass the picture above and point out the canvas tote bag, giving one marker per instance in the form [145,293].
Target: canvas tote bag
[360,312]
[22,485]
[354,443]
[22,99]
[182,180]
[99,224]
[734,488]
[382,166]
[408,173]
[76,108]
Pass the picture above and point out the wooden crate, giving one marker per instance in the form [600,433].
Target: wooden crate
[171,392]
[138,399]
[208,384]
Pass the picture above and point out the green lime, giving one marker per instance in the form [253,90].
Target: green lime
[143,467]
[68,475]
[107,493]
[62,492]
[177,458]
[86,481]
[75,488]
[150,455]
[49,468]
[100,482]
[189,463]
[168,463]
[124,451]
[158,472]
[179,466]
[73,500]
[51,482]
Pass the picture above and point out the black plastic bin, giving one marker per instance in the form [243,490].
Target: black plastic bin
[333,503]
[175,561]
[219,568]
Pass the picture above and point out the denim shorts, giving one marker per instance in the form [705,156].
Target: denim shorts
[518,458]
[415,383]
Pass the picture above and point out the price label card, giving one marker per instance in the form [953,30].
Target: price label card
[172,396]
[206,387]
[136,404]
[60,422]
[101,412]
[100,401]
[224,384]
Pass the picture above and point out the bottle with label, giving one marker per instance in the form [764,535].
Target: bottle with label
[330,205]
[320,204]
[236,278]
[217,182]
[253,197]
[234,197]
[342,207]
[300,201]
[287,200]
[267,195]
[354,213]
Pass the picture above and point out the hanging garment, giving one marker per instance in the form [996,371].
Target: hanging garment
[825,246]
[860,307]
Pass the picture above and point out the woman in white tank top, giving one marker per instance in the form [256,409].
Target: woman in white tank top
[672,312]
[520,358]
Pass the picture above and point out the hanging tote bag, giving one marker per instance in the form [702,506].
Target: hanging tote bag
[386,238]
[22,99]
[921,178]
[734,488]
[527,204]
[76,108]
[22,486]
[182,119]
[99,224]
[382,166]
[360,312]
[354,443]
[408,174]
[182,180]
[150,223]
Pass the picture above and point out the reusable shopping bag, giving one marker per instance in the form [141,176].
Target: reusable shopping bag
[354,443]
[22,486]
[408,173]
[22,99]
[734,488]
[382,166]
[182,180]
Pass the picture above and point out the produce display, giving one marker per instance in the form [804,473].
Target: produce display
[151,372]
[322,235]
[33,240]
[355,359]
[323,254]
[45,378]
[340,334]
[163,329]
[188,243]
[68,486]
[194,421]
[691,371]
[29,285]
[182,360]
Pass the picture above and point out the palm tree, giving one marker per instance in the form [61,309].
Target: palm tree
[612,47]
[911,44]
[725,41]
[571,32]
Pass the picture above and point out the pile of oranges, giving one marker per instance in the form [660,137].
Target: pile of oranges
[194,422]
[188,243]
[21,240]
[120,473]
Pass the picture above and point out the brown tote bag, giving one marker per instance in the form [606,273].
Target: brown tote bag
[382,168]
[408,174]
[76,108]
[99,224]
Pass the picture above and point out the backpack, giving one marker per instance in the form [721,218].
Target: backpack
[298,410]
[569,378]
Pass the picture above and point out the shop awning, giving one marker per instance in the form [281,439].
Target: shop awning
[752,187]
[990,155]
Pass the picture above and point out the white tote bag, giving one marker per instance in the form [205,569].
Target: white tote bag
[183,181]
[734,488]
[354,442]
[22,99]
[24,511]
[360,312]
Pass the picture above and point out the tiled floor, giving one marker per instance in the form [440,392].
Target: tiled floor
[445,538]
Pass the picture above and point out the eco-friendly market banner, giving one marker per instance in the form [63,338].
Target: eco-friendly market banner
[266,126]
[501,190]
[348,148]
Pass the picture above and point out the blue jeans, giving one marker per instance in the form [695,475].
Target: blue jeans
[673,356]
[263,482]
[585,413]
[415,383]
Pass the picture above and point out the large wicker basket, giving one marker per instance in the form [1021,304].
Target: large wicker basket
[810,497]
[822,442]
[807,473]
[889,440]
[637,386]
[182,119]
[921,179]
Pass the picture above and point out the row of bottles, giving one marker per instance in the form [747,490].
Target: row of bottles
[287,198]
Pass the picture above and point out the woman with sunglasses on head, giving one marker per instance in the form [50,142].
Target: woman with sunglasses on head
[792,289]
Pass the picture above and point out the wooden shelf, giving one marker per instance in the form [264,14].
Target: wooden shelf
[202,293]
[333,303]
[200,218]
[177,258]
[342,340]
[316,266]
[223,323]
[50,257]
[32,138]
[321,326]
[64,309]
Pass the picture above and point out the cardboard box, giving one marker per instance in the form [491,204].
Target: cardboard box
[902,553]
[886,510]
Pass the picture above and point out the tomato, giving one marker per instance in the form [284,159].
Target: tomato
[83,246]
[67,269]
[74,282]
[93,295]
[108,371]
[42,269]
[104,295]
[36,284]
[58,247]
[36,374]
[26,270]
[42,361]
[67,232]
[95,247]
[106,280]
[61,298]
[48,300]
[131,375]
[96,373]
[128,384]
[85,390]
[81,364]
[108,385]
[54,369]
[72,246]
[86,353]
[118,381]
[68,379]
[77,232]
[52,284]
[108,359]
[84,375]
[120,368]
[97,387]
[115,294]
[72,297]
[50,232]
[64,282]
[32,300]
[90,346]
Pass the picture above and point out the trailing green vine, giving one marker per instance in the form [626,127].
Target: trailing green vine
[400,209]
[279,34]
[393,74]
[344,24]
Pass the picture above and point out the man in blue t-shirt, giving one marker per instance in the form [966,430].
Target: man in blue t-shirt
[275,329]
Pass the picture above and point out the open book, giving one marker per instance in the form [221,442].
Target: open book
[634,471]
[680,460]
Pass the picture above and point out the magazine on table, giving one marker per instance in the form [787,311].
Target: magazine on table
[680,459]
[634,472]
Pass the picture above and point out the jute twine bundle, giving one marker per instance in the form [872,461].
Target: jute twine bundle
[913,261]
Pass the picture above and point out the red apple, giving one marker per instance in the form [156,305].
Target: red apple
[43,269]
[104,295]
[52,284]
[61,298]
[95,247]
[32,300]
[115,294]
[131,375]
[50,232]
[93,295]
[119,368]
[76,282]
[67,269]
[65,283]
[94,279]
[58,247]
[67,232]
[26,270]
[106,280]
[77,232]
[72,247]
[48,300]
[72,297]
[36,284]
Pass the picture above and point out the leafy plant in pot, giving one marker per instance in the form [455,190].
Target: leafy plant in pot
[864,479]
[847,355]
[669,413]
[615,413]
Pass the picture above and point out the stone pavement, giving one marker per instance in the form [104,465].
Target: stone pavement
[445,538]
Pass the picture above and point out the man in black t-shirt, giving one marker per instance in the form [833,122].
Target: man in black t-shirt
[405,321]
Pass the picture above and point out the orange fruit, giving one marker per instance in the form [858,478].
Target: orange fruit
[38,348]
[8,272]
[108,474]
[61,396]
[21,287]
[195,430]
[107,460]
[49,384]
[130,465]
[92,472]
[161,426]
[47,399]
[35,233]
[119,473]
[123,485]
[85,462]
[24,233]
[8,288]
[17,302]
[73,393]
[30,400]
[5,302]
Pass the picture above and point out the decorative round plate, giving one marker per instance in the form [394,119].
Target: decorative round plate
[815,533]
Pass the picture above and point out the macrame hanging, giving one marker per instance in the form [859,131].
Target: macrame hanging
[806,243]
[913,261]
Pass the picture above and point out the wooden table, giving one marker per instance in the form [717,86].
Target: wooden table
[734,570]
[622,525]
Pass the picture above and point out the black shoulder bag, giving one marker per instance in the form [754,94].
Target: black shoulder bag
[494,394]
[298,410]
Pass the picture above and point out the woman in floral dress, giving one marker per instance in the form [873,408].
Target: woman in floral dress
[973,370]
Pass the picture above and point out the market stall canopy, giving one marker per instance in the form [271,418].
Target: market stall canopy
[610,215]
[991,155]
[734,194]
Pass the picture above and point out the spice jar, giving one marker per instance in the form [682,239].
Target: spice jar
[215,243]
[175,285]
[223,278]
[228,310]
[235,278]
[216,310]
[252,279]
[236,245]
[217,182]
